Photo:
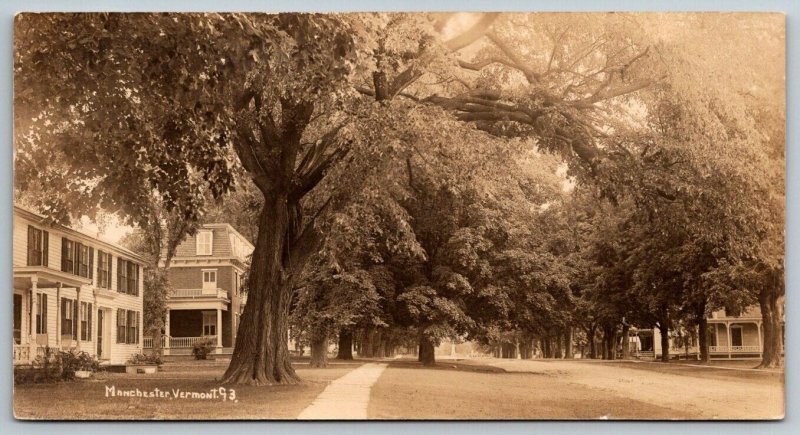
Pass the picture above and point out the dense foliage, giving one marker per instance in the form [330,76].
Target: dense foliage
[523,180]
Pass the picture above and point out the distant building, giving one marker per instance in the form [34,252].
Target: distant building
[729,337]
[73,291]
[206,302]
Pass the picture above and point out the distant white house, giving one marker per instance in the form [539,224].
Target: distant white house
[73,291]
[729,337]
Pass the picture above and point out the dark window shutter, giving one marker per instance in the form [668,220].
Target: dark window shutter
[64,252]
[45,248]
[89,323]
[110,269]
[100,258]
[76,258]
[64,324]
[44,314]
[138,325]
[91,262]
[31,241]
[74,318]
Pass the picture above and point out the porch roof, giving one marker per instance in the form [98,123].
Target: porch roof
[46,277]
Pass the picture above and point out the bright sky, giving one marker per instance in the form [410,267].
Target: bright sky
[110,229]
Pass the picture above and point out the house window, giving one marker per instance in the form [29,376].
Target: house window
[209,279]
[37,246]
[204,242]
[86,321]
[133,278]
[76,258]
[209,323]
[133,327]
[104,269]
[69,313]
[127,277]
[122,328]
[122,276]
[736,336]
[67,255]
[41,313]
[82,260]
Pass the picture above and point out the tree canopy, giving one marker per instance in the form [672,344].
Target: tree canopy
[426,164]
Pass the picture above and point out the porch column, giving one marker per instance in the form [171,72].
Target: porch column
[78,319]
[166,331]
[760,342]
[219,331]
[728,336]
[93,329]
[34,309]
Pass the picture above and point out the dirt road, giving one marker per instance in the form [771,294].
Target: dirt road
[558,389]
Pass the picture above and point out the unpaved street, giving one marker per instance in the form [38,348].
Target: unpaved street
[552,389]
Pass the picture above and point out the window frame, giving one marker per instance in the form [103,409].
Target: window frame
[104,260]
[122,318]
[37,246]
[67,255]
[212,316]
[201,243]
[41,313]
[741,335]
[122,276]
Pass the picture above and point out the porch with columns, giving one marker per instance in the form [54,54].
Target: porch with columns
[748,342]
[40,327]
[185,327]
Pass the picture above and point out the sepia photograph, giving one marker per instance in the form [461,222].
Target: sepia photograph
[399,216]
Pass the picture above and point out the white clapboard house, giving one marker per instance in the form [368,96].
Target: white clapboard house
[73,291]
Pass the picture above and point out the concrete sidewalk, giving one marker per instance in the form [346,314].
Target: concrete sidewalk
[345,398]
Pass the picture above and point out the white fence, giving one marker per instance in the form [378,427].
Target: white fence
[734,349]
[177,342]
[199,293]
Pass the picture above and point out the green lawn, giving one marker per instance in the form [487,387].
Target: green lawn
[87,400]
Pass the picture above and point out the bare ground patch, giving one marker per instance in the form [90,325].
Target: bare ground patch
[432,393]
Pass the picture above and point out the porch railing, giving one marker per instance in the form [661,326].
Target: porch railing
[177,342]
[734,349]
[199,293]
[22,353]
[147,343]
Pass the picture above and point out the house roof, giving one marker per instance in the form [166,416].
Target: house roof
[221,243]
[42,220]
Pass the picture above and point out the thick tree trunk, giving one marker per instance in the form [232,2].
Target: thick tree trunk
[773,332]
[664,329]
[559,338]
[426,351]
[367,346]
[702,326]
[626,342]
[570,353]
[261,354]
[345,345]
[546,347]
[592,344]
[319,351]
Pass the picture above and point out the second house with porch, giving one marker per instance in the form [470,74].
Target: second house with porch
[206,302]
